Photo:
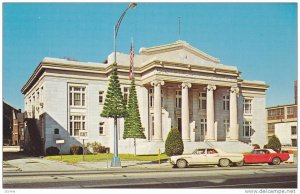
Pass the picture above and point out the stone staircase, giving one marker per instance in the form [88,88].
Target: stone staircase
[231,146]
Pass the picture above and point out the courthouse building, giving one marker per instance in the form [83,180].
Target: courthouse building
[177,86]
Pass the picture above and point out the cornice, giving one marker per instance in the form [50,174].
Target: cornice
[106,69]
[175,46]
[281,106]
[253,84]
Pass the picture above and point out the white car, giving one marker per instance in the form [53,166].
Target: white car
[207,156]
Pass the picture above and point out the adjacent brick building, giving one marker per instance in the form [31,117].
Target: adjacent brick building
[282,122]
[13,125]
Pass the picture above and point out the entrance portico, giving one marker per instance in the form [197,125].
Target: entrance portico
[185,110]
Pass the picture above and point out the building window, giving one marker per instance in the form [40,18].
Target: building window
[203,126]
[294,142]
[151,97]
[37,95]
[226,102]
[226,125]
[271,113]
[77,122]
[271,127]
[126,94]
[56,131]
[290,110]
[202,101]
[294,130]
[33,98]
[101,128]
[101,97]
[281,111]
[77,96]
[247,126]
[178,98]
[247,106]
[152,124]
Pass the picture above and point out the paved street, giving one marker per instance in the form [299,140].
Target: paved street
[283,176]
[21,171]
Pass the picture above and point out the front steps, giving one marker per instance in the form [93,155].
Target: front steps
[151,148]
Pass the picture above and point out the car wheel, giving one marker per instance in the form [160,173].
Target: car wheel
[181,163]
[276,161]
[239,164]
[270,163]
[224,162]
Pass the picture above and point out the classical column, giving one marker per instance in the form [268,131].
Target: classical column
[157,110]
[185,117]
[210,114]
[233,124]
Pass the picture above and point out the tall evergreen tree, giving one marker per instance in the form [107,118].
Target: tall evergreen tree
[114,107]
[133,126]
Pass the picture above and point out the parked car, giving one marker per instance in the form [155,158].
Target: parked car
[207,156]
[265,156]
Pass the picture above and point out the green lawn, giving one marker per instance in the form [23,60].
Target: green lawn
[103,157]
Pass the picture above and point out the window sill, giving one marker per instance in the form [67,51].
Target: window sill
[79,107]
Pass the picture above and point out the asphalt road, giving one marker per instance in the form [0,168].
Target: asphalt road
[282,176]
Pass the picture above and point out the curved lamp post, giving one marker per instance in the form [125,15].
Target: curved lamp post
[116,160]
[116,27]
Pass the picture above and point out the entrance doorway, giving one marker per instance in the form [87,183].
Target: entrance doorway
[179,125]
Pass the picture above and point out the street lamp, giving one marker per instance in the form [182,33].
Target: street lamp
[116,160]
[116,28]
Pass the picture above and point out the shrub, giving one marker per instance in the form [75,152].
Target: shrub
[274,143]
[50,151]
[256,146]
[97,147]
[174,144]
[76,149]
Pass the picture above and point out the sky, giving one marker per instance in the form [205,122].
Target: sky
[260,39]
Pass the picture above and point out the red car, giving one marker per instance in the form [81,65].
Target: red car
[265,156]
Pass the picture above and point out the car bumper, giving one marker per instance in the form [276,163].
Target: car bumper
[171,161]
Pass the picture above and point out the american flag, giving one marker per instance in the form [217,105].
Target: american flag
[131,56]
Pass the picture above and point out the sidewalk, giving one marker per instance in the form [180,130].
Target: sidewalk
[18,162]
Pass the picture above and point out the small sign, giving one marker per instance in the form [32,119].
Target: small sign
[83,134]
[60,141]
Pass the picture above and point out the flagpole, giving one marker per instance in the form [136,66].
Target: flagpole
[132,58]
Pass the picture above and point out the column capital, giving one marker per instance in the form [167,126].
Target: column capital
[186,85]
[157,82]
[234,89]
[211,87]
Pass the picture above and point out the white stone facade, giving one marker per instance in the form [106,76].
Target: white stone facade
[177,86]
[285,133]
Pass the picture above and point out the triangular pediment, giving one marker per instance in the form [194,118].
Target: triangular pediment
[178,49]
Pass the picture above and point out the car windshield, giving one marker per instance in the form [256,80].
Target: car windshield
[199,151]
[211,151]
[260,152]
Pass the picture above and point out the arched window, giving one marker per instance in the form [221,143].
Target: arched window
[56,131]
